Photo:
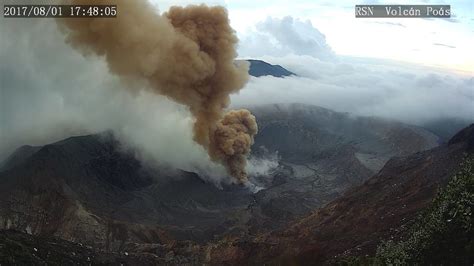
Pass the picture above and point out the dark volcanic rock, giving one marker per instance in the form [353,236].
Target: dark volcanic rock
[18,157]
[355,223]
[18,248]
[446,128]
[302,133]
[322,153]
[89,189]
[260,68]
[465,136]
[86,188]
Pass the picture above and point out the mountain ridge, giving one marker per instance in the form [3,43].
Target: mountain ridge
[88,189]
[351,225]
[260,68]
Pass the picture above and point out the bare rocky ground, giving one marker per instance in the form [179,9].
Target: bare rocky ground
[85,190]
[354,224]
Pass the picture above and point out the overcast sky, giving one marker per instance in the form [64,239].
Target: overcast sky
[443,43]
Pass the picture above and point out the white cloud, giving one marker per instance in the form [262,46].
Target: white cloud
[381,87]
[397,91]
[279,37]
[49,92]
[347,35]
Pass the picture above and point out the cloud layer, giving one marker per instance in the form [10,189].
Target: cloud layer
[363,86]
[371,88]
[49,92]
[288,35]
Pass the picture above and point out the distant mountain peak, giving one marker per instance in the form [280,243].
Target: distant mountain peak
[260,68]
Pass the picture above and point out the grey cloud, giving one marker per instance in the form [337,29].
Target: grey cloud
[49,92]
[362,86]
[453,20]
[395,91]
[444,45]
[389,23]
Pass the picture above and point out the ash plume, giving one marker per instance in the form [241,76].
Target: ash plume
[232,140]
[186,54]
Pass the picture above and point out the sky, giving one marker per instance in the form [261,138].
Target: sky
[440,43]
